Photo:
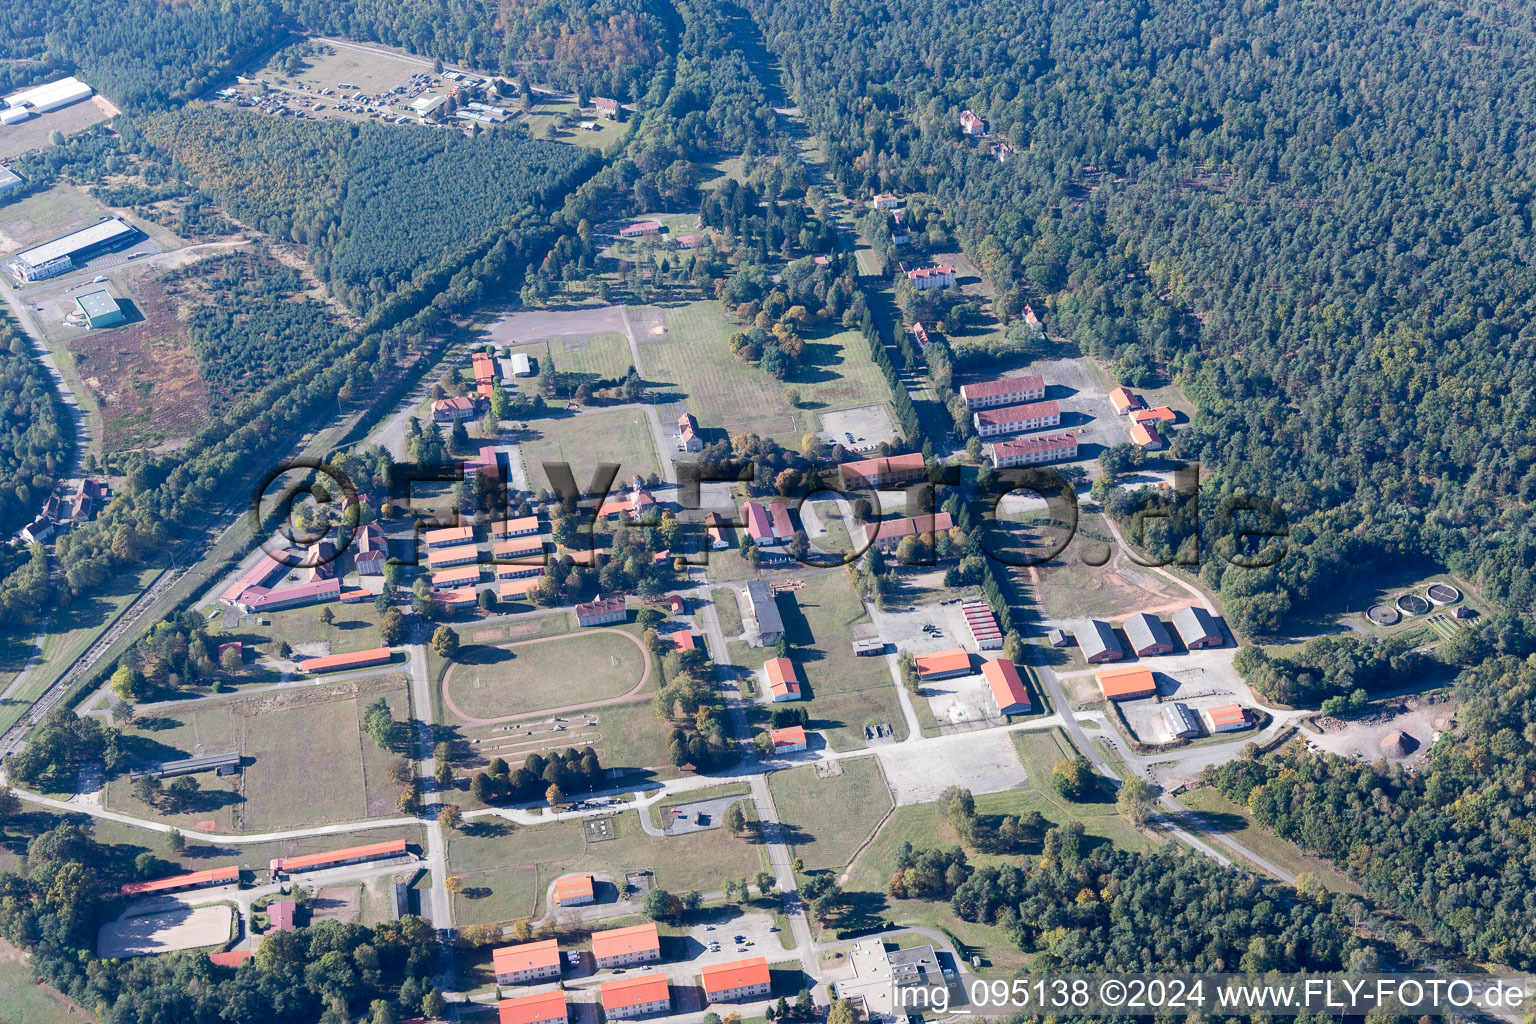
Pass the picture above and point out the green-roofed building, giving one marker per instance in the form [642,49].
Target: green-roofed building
[100,308]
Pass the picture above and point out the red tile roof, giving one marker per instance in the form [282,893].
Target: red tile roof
[781,677]
[1122,399]
[535,1009]
[635,991]
[357,659]
[998,415]
[1129,681]
[529,956]
[623,941]
[952,660]
[734,975]
[212,876]
[573,886]
[790,736]
[1002,386]
[1007,687]
[393,847]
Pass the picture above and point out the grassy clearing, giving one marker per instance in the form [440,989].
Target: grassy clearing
[585,439]
[282,736]
[506,870]
[1220,815]
[489,682]
[924,826]
[695,361]
[728,611]
[355,627]
[846,692]
[47,214]
[825,820]
[22,999]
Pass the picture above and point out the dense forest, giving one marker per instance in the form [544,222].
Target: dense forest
[606,46]
[380,206]
[1451,845]
[35,433]
[248,320]
[1315,217]
[142,54]
[146,55]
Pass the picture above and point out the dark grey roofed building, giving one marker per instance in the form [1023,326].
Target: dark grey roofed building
[1147,635]
[224,764]
[763,608]
[1057,637]
[1098,643]
[1198,628]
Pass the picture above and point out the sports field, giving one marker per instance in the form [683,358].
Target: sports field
[586,438]
[306,741]
[489,682]
[166,932]
[506,871]
[846,692]
[693,361]
[827,819]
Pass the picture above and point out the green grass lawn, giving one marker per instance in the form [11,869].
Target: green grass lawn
[846,692]
[694,361]
[283,737]
[825,820]
[585,439]
[506,870]
[1220,815]
[355,627]
[491,682]
[727,609]
[47,214]
[23,1000]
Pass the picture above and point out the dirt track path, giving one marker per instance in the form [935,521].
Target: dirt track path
[645,677]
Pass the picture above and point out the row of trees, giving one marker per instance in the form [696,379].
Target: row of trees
[35,436]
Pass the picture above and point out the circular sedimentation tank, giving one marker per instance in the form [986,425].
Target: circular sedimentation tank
[1412,604]
[1442,593]
[1382,614]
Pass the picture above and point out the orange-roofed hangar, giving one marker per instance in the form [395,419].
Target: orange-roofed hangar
[737,980]
[620,947]
[574,891]
[639,996]
[540,1008]
[529,961]
[944,664]
[1128,683]
[1007,687]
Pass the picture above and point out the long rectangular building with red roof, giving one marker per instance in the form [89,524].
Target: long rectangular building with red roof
[1007,686]
[737,980]
[182,883]
[620,947]
[639,996]
[1010,419]
[529,961]
[341,662]
[338,858]
[884,472]
[539,1008]
[1003,391]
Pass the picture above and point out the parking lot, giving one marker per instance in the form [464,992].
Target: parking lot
[860,429]
[699,816]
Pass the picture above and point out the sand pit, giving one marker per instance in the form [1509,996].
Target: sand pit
[165,932]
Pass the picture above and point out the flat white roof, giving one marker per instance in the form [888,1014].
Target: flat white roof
[67,90]
[97,302]
[101,231]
